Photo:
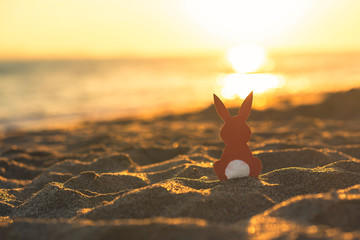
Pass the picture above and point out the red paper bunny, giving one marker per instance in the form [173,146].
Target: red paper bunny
[236,159]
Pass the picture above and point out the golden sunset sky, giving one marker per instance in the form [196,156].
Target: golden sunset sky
[162,28]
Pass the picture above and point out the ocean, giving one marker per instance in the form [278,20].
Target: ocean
[48,93]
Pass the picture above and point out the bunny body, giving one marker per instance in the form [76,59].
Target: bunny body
[237,159]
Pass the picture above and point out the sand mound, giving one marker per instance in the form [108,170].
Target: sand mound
[183,201]
[303,157]
[312,216]
[104,183]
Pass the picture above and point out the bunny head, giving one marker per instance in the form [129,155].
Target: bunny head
[235,129]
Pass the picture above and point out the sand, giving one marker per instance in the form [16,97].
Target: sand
[153,178]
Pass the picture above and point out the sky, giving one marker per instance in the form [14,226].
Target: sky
[32,29]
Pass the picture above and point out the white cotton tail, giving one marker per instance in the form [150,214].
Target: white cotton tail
[236,169]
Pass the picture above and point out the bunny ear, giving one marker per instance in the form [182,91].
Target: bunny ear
[246,107]
[221,109]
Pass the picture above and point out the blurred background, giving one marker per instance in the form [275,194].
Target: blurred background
[67,61]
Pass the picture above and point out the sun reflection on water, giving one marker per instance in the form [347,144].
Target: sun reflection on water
[240,85]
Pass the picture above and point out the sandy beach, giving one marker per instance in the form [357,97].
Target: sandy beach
[153,178]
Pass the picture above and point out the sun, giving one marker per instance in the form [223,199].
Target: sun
[246,58]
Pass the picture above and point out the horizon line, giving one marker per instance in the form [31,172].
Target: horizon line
[199,54]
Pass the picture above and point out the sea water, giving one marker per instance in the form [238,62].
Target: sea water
[43,93]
